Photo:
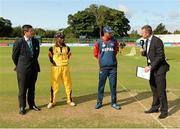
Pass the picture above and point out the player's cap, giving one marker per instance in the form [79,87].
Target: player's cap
[107,29]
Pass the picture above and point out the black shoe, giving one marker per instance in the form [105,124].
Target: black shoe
[151,111]
[163,115]
[22,111]
[34,107]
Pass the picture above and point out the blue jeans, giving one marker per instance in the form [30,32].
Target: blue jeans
[112,75]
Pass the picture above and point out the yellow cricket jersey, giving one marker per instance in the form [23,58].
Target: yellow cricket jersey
[61,55]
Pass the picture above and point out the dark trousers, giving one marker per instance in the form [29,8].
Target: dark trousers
[158,87]
[26,85]
[112,75]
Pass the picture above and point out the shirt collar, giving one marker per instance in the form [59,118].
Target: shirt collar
[26,39]
[149,39]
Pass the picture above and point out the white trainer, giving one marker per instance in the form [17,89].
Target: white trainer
[50,105]
[72,104]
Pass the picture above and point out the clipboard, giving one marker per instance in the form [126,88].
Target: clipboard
[142,74]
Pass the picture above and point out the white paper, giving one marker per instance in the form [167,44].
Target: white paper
[142,74]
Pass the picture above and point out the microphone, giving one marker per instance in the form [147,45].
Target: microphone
[142,43]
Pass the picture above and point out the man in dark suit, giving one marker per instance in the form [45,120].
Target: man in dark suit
[154,52]
[25,57]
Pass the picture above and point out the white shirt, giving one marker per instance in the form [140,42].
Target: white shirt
[29,42]
[149,42]
[26,39]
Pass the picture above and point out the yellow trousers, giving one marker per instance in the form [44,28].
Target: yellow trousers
[60,74]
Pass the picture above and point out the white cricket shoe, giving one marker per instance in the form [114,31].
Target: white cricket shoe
[72,104]
[50,105]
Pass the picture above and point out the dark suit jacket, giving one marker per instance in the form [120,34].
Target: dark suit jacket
[22,57]
[157,56]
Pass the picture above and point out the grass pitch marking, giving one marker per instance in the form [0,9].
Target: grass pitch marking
[141,104]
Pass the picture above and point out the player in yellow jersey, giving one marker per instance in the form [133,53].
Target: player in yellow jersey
[59,56]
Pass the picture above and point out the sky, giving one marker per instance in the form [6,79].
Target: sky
[53,14]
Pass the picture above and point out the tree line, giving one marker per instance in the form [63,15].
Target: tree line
[88,22]
[6,30]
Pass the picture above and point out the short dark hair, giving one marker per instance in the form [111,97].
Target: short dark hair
[148,28]
[26,28]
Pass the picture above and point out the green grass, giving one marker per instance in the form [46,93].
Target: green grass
[84,72]
[6,41]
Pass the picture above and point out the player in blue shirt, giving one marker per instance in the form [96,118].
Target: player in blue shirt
[105,50]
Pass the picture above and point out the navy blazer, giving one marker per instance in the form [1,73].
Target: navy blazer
[22,57]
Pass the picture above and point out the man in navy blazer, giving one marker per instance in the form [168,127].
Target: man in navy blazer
[25,57]
[156,61]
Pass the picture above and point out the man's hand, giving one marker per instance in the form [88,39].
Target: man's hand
[147,69]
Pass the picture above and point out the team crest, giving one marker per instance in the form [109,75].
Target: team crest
[103,45]
[112,44]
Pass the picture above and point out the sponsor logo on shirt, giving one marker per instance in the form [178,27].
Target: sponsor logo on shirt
[107,49]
